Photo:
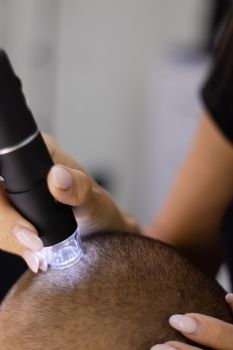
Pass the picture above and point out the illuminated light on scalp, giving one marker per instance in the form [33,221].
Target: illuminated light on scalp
[64,254]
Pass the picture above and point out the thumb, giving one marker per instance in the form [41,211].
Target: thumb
[69,186]
[204,330]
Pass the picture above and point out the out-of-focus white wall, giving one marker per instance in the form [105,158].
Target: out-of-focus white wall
[29,33]
[108,50]
[182,22]
[86,66]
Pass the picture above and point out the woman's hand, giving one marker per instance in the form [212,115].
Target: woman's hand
[202,330]
[69,183]
[94,209]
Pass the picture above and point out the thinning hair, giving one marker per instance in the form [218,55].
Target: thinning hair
[119,296]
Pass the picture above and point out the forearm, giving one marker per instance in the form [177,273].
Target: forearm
[191,216]
[204,249]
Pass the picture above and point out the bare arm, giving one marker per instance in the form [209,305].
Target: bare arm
[191,215]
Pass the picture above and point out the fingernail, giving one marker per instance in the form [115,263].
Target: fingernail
[32,260]
[27,238]
[184,324]
[162,347]
[43,266]
[229,297]
[61,177]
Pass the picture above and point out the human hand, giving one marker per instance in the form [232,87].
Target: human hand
[17,235]
[204,330]
[69,183]
[94,208]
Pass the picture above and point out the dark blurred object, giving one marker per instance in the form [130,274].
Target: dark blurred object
[102,180]
[11,268]
[220,11]
[227,228]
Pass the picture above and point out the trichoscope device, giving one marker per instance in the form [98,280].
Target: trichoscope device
[24,165]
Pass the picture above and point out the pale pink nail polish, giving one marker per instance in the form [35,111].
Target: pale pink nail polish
[27,238]
[31,259]
[43,266]
[163,347]
[229,298]
[61,177]
[184,323]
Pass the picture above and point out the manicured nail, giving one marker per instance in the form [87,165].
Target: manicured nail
[162,347]
[27,238]
[61,177]
[184,323]
[229,298]
[43,266]
[32,260]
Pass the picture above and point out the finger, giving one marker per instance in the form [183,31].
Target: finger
[15,230]
[17,233]
[204,330]
[70,186]
[174,345]
[58,155]
[182,346]
[229,299]
[27,238]
[35,260]
[32,260]
[43,264]
[50,143]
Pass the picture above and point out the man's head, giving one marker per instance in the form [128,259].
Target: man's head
[119,296]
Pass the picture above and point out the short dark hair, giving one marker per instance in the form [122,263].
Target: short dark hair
[119,296]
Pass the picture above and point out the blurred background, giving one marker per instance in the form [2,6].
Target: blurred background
[116,83]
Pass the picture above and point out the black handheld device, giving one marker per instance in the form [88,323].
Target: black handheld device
[25,163]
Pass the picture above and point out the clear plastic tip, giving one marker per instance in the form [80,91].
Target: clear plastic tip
[64,254]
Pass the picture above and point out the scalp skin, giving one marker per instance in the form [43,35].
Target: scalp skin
[119,296]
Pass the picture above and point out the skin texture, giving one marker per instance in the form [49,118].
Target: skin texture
[209,334]
[119,296]
[190,217]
